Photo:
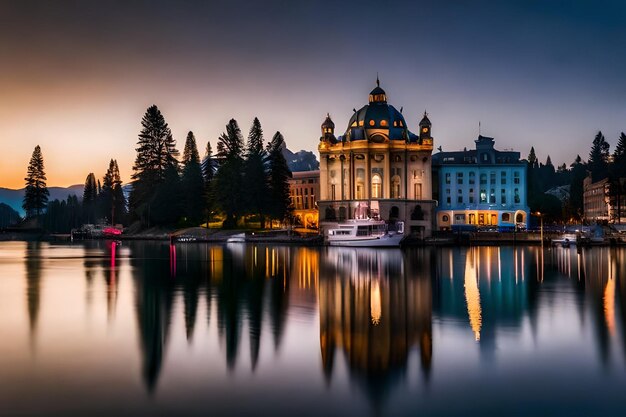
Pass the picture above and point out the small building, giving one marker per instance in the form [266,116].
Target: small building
[304,190]
[600,205]
[377,168]
[480,187]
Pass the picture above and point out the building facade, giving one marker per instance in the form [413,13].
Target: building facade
[480,187]
[600,205]
[304,189]
[377,168]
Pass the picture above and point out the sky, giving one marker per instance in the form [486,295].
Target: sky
[77,76]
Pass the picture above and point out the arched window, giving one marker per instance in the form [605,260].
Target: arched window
[377,186]
[395,186]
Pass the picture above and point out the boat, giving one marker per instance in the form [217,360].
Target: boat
[238,238]
[565,240]
[366,233]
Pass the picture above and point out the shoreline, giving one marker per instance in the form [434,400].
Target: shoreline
[282,238]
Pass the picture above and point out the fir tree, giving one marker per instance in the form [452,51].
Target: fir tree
[36,194]
[156,153]
[112,198]
[619,156]
[599,158]
[278,179]
[549,161]
[208,173]
[532,158]
[579,172]
[166,205]
[254,173]
[192,182]
[229,190]
[90,194]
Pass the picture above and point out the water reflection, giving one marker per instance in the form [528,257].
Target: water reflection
[374,307]
[390,321]
[33,285]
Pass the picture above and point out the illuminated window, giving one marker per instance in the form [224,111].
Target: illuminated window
[353,124]
[384,123]
[506,217]
[372,123]
[360,122]
[377,186]
[483,195]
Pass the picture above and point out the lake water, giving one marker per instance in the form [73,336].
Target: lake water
[145,328]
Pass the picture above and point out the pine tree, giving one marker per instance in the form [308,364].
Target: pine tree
[192,182]
[229,190]
[90,194]
[619,156]
[599,158]
[112,199]
[156,153]
[208,174]
[549,161]
[36,195]
[167,203]
[278,179]
[254,173]
[579,172]
[532,158]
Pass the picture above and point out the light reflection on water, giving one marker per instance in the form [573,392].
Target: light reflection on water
[149,328]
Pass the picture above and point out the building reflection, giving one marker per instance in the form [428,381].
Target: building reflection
[488,288]
[374,307]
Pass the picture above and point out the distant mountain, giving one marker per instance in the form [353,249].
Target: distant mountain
[8,216]
[301,160]
[13,198]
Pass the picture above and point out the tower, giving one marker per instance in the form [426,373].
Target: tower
[425,128]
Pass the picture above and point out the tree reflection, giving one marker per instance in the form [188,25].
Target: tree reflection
[33,285]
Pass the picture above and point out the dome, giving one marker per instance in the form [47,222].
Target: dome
[377,116]
[378,121]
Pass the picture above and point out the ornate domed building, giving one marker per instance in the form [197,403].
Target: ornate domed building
[377,168]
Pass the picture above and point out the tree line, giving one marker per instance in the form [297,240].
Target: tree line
[601,164]
[101,202]
[243,179]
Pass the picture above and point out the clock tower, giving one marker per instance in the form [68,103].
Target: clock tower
[425,128]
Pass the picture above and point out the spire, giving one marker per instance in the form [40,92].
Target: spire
[377,80]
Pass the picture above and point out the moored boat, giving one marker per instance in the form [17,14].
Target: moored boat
[366,233]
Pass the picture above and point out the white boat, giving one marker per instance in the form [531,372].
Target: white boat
[366,233]
[565,240]
[238,238]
